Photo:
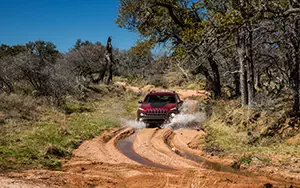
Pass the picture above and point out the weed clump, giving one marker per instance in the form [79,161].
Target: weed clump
[71,108]
[15,106]
[53,150]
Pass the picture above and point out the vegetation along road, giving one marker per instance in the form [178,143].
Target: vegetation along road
[67,119]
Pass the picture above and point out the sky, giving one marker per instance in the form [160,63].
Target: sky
[62,22]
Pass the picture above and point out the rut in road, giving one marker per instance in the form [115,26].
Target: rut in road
[100,163]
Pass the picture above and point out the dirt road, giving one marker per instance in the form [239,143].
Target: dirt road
[149,158]
[129,157]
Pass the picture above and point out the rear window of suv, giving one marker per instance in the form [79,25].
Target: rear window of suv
[160,99]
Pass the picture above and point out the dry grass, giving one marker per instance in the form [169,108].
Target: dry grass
[171,80]
[232,131]
[18,106]
[43,141]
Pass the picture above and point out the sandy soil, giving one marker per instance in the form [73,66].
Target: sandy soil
[101,162]
[98,163]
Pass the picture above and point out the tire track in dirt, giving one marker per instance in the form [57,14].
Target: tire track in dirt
[180,140]
[101,150]
[163,146]
[99,163]
[156,145]
[126,147]
[150,144]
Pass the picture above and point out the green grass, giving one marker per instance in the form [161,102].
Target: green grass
[44,142]
[246,160]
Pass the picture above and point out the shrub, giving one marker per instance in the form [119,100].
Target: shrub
[16,106]
[158,81]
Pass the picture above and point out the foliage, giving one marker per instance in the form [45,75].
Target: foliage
[38,69]
[225,41]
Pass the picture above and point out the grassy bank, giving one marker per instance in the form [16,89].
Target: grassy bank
[43,140]
[250,137]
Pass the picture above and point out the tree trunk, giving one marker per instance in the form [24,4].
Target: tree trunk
[213,83]
[295,85]
[257,80]
[216,75]
[295,35]
[110,60]
[250,67]
[110,73]
[209,80]
[237,84]
[240,41]
[102,73]
[183,71]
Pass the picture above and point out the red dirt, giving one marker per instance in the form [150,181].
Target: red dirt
[98,163]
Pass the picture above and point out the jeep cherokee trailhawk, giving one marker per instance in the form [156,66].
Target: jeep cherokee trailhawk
[158,108]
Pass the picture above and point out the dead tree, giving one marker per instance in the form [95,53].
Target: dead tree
[109,59]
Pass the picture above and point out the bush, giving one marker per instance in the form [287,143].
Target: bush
[158,81]
[18,106]
[175,79]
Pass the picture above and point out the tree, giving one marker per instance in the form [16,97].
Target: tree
[35,64]
[79,44]
[88,62]
[286,18]
[178,24]
[291,29]
[8,74]
[110,60]
[91,62]
[38,65]
[135,62]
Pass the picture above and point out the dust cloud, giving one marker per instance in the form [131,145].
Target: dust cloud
[185,120]
[189,117]
[133,123]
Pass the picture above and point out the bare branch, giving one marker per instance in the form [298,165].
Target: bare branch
[292,11]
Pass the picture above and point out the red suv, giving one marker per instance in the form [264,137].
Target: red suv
[158,107]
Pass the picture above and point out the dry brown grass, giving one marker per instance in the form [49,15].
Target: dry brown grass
[232,130]
[47,135]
